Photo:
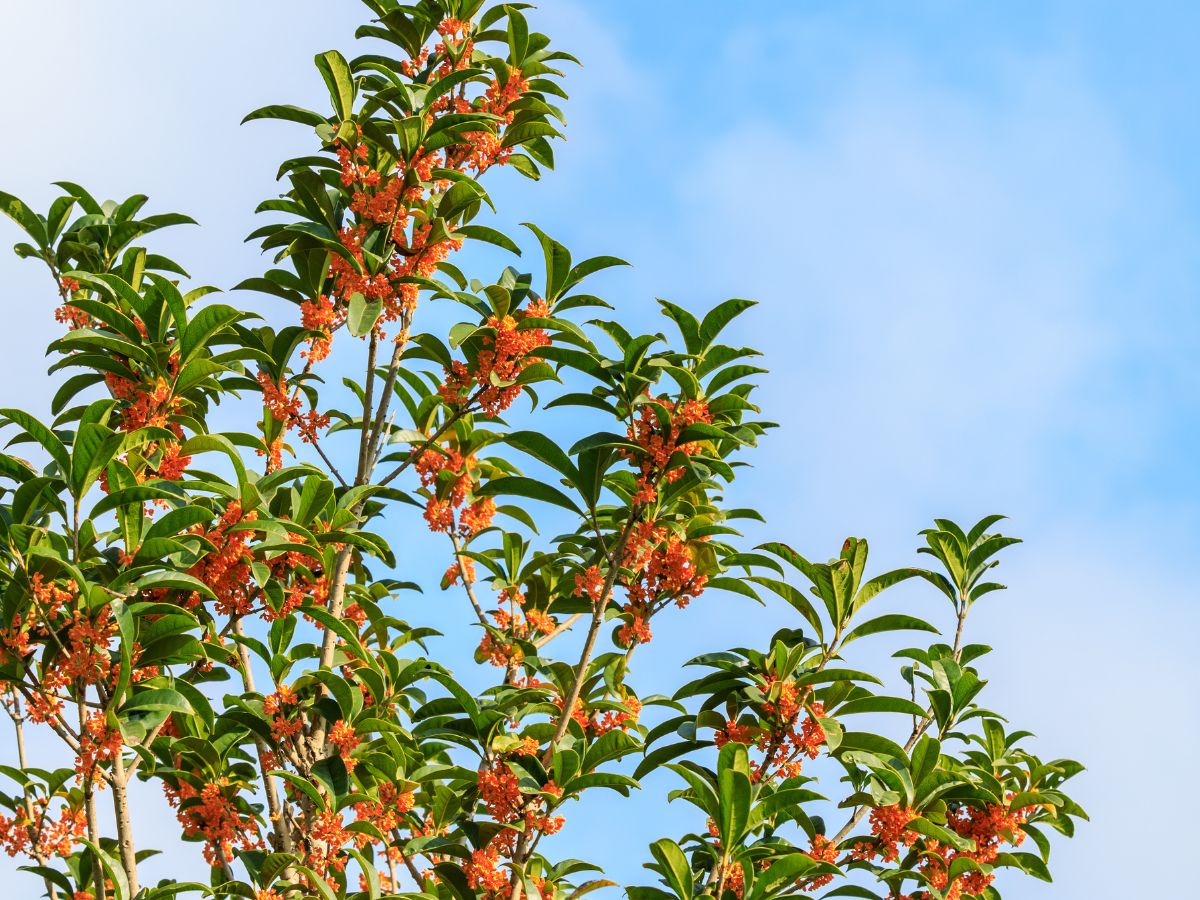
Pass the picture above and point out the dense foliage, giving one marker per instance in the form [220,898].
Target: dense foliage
[214,612]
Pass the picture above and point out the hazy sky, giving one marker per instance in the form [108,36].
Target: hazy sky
[972,229]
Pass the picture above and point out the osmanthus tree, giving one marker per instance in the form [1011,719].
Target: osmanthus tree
[215,612]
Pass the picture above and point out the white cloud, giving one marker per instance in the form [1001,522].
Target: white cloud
[957,306]
[937,272]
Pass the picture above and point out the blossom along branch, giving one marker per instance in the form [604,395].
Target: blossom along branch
[219,613]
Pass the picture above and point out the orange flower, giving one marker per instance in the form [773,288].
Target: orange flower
[214,815]
[499,792]
[733,733]
[483,872]
[343,736]
[823,850]
[97,744]
[508,352]
[591,582]
[659,444]
[226,568]
[889,825]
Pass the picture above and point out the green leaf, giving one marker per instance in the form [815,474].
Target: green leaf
[923,826]
[43,435]
[94,448]
[363,314]
[558,262]
[113,869]
[544,450]
[519,486]
[206,323]
[1029,863]
[734,791]
[29,221]
[305,786]
[159,699]
[674,867]
[487,235]
[718,317]
[891,622]
[288,114]
[880,583]
[336,72]
[881,705]
[872,743]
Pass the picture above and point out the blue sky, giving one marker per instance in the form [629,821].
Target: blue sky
[972,229]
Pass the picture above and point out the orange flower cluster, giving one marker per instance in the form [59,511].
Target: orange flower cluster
[14,642]
[453,574]
[889,825]
[49,597]
[590,582]
[152,406]
[485,149]
[98,744]
[455,52]
[277,706]
[345,739]
[454,28]
[660,443]
[449,493]
[663,570]
[325,841]
[226,568]
[386,813]
[517,623]
[508,353]
[212,813]
[415,255]
[578,712]
[596,723]
[67,314]
[500,792]
[301,583]
[40,836]
[989,827]
[735,734]
[85,658]
[822,850]
[378,198]
[735,880]
[324,316]
[602,723]
[286,410]
[484,873]
[788,740]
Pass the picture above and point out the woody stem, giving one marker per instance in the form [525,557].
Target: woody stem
[89,806]
[462,574]
[283,834]
[368,396]
[589,643]
[565,625]
[15,714]
[120,783]
[369,444]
